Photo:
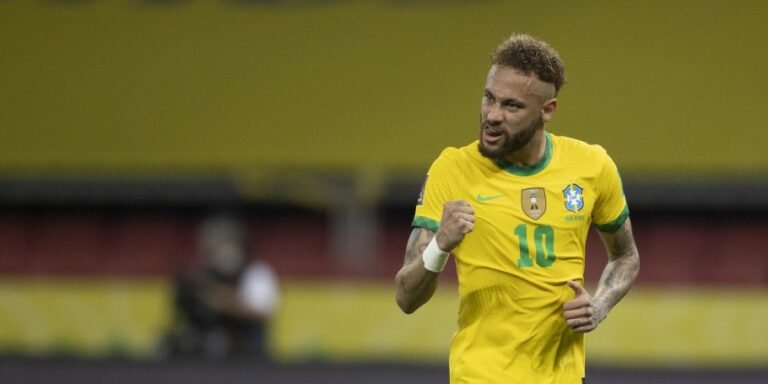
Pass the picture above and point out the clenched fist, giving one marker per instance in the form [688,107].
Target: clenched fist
[458,220]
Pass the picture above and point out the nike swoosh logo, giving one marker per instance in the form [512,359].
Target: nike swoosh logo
[482,198]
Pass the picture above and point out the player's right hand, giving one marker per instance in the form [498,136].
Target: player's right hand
[458,220]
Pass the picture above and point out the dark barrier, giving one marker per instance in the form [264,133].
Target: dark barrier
[234,372]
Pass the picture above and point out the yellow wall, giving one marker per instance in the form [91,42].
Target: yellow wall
[356,321]
[82,317]
[121,86]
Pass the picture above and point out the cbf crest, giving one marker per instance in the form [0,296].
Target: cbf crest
[534,202]
[574,198]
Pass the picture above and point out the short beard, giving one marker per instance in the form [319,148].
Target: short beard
[511,144]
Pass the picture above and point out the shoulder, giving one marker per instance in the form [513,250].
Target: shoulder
[570,147]
[454,153]
[453,157]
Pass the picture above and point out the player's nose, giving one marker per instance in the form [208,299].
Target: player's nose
[493,115]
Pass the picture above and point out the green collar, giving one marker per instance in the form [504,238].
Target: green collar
[532,169]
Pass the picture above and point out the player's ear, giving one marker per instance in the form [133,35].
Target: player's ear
[548,109]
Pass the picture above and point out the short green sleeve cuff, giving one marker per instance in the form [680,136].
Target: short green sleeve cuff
[424,222]
[613,226]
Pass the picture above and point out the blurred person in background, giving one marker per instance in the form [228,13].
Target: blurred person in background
[224,305]
[515,208]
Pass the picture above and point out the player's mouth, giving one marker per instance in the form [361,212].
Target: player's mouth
[492,135]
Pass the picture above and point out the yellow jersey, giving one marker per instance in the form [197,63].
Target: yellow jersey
[530,233]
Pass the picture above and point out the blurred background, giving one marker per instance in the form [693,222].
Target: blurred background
[157,154]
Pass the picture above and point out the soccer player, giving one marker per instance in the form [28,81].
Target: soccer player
[514,208]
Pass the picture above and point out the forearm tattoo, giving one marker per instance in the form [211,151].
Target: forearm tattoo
[417,242]
[416,285]
[623,266]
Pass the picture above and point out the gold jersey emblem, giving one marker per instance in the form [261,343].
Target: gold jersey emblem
[534,201]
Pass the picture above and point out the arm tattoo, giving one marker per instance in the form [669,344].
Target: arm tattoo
[623,265]
[417,242]
[415,284]
[623,243]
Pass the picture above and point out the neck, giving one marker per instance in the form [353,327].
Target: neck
[531,153]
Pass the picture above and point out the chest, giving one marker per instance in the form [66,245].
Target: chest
[557,199]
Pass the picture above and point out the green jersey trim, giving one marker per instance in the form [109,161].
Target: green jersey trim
[529,170]
[424,222]
[616,224]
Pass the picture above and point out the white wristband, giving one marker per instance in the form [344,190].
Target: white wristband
[434,258]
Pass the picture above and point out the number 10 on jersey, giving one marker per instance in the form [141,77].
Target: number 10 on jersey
[544,241]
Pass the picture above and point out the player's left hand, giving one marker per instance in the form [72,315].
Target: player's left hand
[583,313]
